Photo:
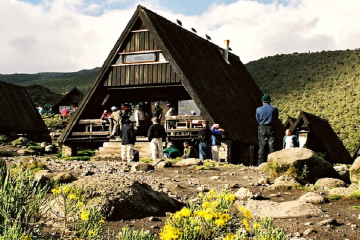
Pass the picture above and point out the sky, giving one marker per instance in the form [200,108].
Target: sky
[71,35]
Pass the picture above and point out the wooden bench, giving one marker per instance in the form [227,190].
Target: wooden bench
[90,128]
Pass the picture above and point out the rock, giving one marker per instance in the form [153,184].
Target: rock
[141,167]
[343,191]
[189,162]
[214,178]
[263,167]
[308,231]
[63,177]
[157,161]
[355,171]
[120,197]
[263,181]
[202,189]
[244,193]
[312,197]
[291,209]
[164,164]
[43,176]
[26,152]
[49,148]
[330,183]
[43,144]
[292,162]
[341,168]
[327,222]
[286,182]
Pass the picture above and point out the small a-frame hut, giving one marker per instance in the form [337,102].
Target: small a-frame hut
[316,134]
[157,60]
[356,153]
[18,114]
[289,122]
[71,100]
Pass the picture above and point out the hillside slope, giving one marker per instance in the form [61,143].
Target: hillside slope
[323,83]
[56,82]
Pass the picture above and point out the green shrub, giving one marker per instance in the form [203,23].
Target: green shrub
[335,197]
[355,194]
[22,141]
[79,158]
[146,160]
[354,207]
[20,199]
[4,140]
[35,148]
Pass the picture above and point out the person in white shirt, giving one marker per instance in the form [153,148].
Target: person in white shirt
[290,141]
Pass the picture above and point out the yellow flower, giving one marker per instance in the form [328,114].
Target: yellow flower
[55,191]
[230,197]
[26,238]
[185,212]
[65,189]
[225,217]
[246,224]
[208,217]
[211,192]
[206,204]
[229,236]
[200,213]
[84,215]
[169,233]
[72,196]
[200,195]
[242,209]
[91,232]
[257,226]
[102,221]
[215,204]
[197,228]
[220,222]
[247,214]
[79,204]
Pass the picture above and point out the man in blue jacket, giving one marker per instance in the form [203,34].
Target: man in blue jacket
[128,140]
[266,116]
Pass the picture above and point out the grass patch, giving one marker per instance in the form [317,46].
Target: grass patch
[146,160]
[304,187]
[35,148]
[354,207]
[355,194]
[335,197]
[175,160]
[78,158]
[213,165]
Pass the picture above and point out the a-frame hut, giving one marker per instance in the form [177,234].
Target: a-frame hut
[316,134]
[19,116]
[356,153]
[289,122]
[71,100]
[157,60]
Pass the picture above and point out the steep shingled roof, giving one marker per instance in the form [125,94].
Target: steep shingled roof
[225,93]
[17,111]
[324,132]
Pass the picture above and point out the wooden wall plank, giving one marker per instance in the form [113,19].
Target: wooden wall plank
[146,74]
[136,42]
[167,67]
[146,41]
[118,74]
[123,76]
[132,75]
[127,77]
[137,75]
[141,74]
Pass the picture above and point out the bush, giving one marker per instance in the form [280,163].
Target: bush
[4,140]
[20,200]
[130,234]
[22,141]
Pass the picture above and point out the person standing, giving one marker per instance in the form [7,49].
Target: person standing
[216,137]
[158,111]
[139,118]
[128,140]
[156,136]
[64,113]
[189,151]
[266,116]
[170,112]
[204,136]
[116,119]
[289,140]
[105,117]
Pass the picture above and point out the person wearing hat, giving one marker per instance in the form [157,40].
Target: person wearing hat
[128,140]
[189,151]
[105,117]
[171,151]
[116,119]
[266,116]
[158,111]
[216,136]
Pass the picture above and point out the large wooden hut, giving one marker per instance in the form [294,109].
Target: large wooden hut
[157,60]
[289,122]
[316,134]
[19,116]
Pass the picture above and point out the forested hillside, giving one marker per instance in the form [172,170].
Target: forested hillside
[56,82]
[326,84]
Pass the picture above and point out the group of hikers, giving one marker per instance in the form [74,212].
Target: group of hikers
[209,138]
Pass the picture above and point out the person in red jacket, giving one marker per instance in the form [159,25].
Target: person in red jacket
[64,113]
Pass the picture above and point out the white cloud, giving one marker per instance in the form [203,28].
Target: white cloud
[60,35]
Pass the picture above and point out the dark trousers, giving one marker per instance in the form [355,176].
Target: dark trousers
[266,135]
[205,151]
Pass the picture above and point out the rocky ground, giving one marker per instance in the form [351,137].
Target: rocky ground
[322,219]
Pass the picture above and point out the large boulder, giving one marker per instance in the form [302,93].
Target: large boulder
[329,183]
[355,171]
[291,209]
[121,197]
[189,162]
[312,197]
[301,163]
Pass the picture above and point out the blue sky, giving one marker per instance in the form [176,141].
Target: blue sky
[70,35]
